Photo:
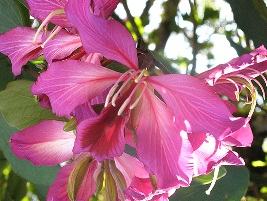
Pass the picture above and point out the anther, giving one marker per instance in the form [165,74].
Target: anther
[214,179]
[45,22]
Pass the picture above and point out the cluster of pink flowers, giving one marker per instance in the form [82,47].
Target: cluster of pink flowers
[179,126]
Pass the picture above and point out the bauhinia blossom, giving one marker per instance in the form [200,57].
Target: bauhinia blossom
[48,144]
[179,125]
[156,108]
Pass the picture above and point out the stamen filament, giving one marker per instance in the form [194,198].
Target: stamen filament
[214,179]
[261,87]
[115,86]
[132,106]
[45,22]
[113,102]
[128,100]
[52,35]
[140,76]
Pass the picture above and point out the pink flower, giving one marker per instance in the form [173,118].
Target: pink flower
[24,44]
[82,177]
[157,108]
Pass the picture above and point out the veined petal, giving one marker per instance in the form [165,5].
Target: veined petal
[44,144]
[105,8]
[69,84]
[241,138]
[18,46]
[159,141]
[58,190]
[107,37]
[61,46]
[130,167]
[42,8]
[255,60]
[106,129]
[211,153]
[197,108]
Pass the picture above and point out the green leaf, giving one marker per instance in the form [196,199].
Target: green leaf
[13,14]
[207,179]
[37,175]
[5,72]
[232,187]
[19,107]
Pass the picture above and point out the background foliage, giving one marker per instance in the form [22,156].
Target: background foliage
[19,180]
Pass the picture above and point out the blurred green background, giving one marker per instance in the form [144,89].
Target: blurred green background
[186,36]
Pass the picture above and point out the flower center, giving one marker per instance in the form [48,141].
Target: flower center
[128,79]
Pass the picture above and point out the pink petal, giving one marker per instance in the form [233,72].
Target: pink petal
[42,8]
[107,37]
[256,60]
[130,167]
[196,107]
[159,142]
[69,84]
[83,112]
[18,46]
[106,129]
[105,8]
[58,190]
[211,153]
[62,46]
[242,137]
[43,144]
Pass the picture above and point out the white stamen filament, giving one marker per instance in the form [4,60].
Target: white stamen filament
[45,22]
[132,106]
[128,100]
[140,76]
[237,92]
[261,88]
[214,179]
[114,98]
[52,35]
[259,74]
[115,86]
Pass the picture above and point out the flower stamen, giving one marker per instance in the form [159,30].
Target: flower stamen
[132,106]
[116,85]
[128,100]
[214,179]
[52,35]
[45,22]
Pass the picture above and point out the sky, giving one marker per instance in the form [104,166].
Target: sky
[177,45]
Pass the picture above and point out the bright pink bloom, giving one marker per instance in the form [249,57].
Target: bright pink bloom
[18,45]
[184,102]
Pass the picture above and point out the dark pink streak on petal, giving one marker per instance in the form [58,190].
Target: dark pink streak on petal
[107,37]
[17,45]
[196,107]
[69,84]
[160,145]
[43,144]
[40,9]
[83,112]
[102,136]
[62,46]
